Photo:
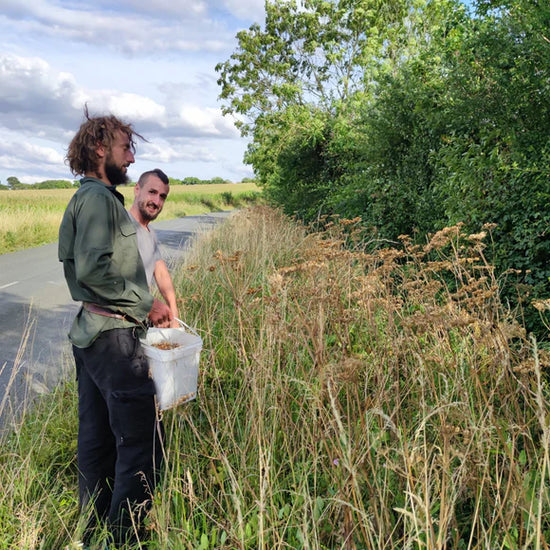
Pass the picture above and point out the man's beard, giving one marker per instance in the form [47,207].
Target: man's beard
[142,207]
[115,174]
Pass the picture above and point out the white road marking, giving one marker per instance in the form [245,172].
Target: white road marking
[9,284]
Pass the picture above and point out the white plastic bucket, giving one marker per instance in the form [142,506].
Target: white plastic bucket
[175,371]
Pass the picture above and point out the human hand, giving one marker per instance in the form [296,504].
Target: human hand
[174,323]
[160,314]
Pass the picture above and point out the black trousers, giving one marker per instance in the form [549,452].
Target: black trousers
[119,436]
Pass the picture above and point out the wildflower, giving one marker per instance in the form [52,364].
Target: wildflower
[477,236]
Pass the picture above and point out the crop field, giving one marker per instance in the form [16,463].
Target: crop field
[31,218]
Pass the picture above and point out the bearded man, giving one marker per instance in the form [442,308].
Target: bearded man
[150,193]
[119,443]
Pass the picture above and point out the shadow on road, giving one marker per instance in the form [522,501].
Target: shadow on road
[35,352]
[174,240]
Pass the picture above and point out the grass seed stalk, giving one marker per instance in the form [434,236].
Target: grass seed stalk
[349,397]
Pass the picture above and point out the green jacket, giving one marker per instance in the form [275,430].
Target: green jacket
[101,261]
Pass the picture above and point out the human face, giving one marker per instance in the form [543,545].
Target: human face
[118,159]
[150,198]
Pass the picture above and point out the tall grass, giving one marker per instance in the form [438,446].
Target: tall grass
[355,400]
[38,494]
[31,218]
[346,400]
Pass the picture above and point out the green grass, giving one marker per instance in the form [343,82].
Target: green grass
[346,400]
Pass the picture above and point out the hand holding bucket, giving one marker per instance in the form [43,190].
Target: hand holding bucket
[175,371]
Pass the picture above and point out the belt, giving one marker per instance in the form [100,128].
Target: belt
[94,308]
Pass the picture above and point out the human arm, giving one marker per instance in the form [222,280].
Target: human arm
[166,288]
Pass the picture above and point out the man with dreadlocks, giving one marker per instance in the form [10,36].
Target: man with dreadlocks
[119,447]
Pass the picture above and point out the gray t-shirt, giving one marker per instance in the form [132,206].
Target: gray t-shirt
[149,249]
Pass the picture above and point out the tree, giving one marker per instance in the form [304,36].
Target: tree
[296,85]
[411,114]
[495,165]
[313,52]
[190,180]
[388,174]
[53,184]
[13,182]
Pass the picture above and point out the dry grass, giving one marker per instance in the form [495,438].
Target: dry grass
[357,400]
[347,399]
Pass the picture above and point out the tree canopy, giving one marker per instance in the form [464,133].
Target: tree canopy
[411,114]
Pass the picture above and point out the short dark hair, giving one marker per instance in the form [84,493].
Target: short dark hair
[156,172]
[81,154]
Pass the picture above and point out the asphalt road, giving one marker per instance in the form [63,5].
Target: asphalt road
[37,312]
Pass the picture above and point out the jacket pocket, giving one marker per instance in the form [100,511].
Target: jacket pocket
[127,227]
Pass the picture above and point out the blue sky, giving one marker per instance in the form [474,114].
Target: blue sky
[149,62]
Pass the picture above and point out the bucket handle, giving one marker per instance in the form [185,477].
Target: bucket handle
[185,325]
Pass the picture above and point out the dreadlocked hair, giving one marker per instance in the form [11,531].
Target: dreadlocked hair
[81,155]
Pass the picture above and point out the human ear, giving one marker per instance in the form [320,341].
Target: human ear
[100,149]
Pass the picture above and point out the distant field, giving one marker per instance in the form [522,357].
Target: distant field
[31,218]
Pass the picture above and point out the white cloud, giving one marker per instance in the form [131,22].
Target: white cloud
[127,105]
[151,63]
[23,157]
[183,8]
[246,9]
[161,152]
[132,26]
[37,101]
[21,76]
[207,121]
[35,97]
